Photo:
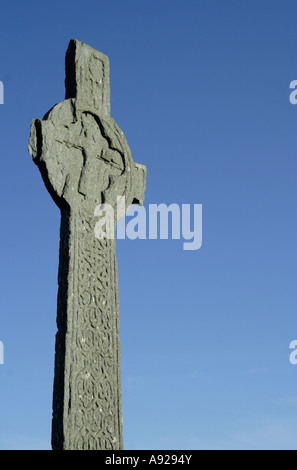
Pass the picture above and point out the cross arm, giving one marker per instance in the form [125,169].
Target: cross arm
[139,183]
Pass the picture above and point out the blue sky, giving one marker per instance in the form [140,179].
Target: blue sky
[201,91]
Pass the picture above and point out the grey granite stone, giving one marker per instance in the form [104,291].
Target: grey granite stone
[84,160]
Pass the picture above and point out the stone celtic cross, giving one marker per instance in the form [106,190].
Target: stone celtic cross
[84,160]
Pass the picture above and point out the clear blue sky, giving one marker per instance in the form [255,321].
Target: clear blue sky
[201,91]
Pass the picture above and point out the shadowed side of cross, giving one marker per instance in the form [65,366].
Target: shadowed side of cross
[81,152]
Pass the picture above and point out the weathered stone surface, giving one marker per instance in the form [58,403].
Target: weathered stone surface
[85,160]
